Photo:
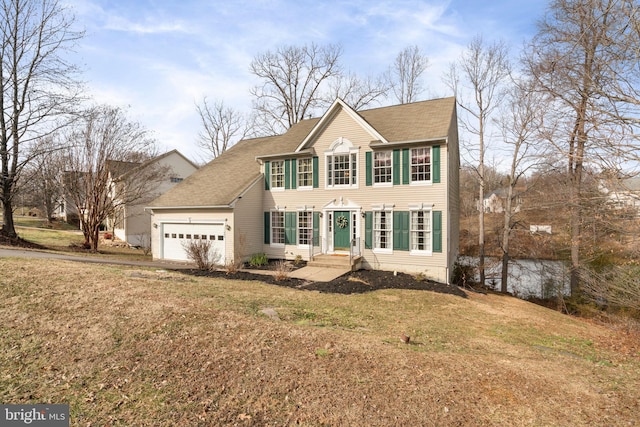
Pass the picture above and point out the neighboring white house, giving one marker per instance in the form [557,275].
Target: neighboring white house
[379,186]
[131,223]
[495,201]
[622,193]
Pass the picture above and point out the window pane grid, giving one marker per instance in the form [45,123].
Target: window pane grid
[381,167]
[382,229]
[305,173]
[277,227]
[420,164]
[342,169]
[277,174]
[420,230]
[305,227]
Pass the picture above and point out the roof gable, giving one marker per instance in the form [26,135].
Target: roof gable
[337,106]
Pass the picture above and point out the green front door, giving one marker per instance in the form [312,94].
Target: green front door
[341,230]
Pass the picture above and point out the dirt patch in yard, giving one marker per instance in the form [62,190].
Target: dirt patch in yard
[356,282]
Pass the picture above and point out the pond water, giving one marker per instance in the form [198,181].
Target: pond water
[527,277]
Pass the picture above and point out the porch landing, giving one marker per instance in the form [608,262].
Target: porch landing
[325,268]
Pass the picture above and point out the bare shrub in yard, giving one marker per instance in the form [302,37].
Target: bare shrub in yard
[616,288]
[232,267]
[200,252]
[282,270]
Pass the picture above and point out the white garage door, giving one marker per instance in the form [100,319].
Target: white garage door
[175,236]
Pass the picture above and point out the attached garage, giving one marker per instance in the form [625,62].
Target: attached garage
[174,237]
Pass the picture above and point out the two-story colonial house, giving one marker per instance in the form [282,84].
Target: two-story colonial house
[379,185]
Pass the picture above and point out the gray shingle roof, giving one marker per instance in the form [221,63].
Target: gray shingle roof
[223,179]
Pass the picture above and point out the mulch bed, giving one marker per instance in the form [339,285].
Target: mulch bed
[356,282]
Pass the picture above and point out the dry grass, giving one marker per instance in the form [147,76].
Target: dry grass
[133,347]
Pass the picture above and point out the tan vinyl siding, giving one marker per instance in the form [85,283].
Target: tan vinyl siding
[401,197]
[248,233]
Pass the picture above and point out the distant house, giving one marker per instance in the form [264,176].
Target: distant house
[130,222]
[378,187]
[495,202]
[622,193]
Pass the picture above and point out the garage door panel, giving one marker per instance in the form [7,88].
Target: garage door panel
[176,235]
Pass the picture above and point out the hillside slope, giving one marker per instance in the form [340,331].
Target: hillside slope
[127,346]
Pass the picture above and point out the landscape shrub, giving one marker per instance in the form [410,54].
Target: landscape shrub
[199,251]
[258,260]
[282,271]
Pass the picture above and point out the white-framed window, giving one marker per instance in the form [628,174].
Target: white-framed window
[277,228]
[342,170]
[277,174]
[420,231]
[382,167]
[382,230]
[421,164]
[305,173]
[305,228]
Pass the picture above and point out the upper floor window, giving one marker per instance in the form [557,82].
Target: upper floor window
[305,173]
[342,169]
[421,164]
[277,174]
[342,164]
[382,167]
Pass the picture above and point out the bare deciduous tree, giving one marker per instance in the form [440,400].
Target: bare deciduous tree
[404,76]
[36,84]
[103,169]
[519,121]
[356,92]
[291,83]
[41,181]
[583,60]
[222,127]
[480,75]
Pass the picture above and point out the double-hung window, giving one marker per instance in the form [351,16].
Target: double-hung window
[277,174]
[421,164]
[305,228]
[277,227]
[382,230]
[420,231]
[305,173]
[382,172]
[342,170]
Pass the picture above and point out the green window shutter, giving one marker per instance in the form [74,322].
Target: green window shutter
[267,175]
[316,229]
[437,231]
[267,228]
[401,231]
[294,174]
[368,230]
[368,167]
[287,174]
[396,167]
[290,223]
[315,172]
[435,164]
[406,167]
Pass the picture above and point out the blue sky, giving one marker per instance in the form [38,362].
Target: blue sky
[160,57]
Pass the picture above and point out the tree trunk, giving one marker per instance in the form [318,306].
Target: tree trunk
[8,226]
[506,232]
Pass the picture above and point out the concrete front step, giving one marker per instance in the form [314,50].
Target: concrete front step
[335,261]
